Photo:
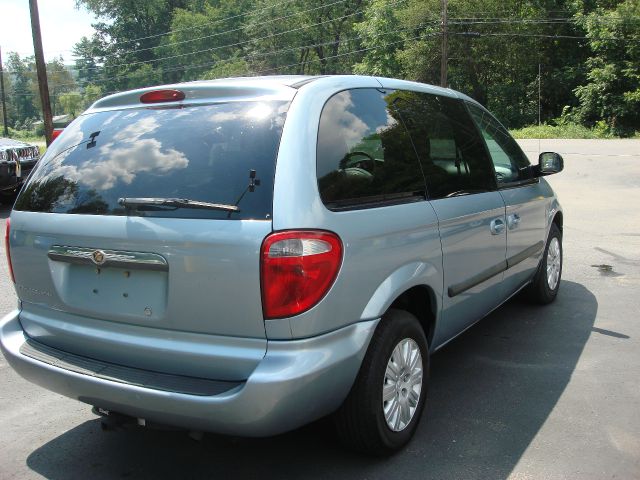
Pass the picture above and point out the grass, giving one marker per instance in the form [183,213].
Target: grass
[29,137]
[568,130]
[25,136]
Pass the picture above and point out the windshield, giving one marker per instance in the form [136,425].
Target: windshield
[222,154]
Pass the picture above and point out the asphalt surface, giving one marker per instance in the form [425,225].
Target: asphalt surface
[529,392]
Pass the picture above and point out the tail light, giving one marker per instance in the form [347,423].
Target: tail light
[297,269]
[7,231]
[54,134]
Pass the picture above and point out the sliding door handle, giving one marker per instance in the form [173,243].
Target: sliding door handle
[513,221]
[497,226]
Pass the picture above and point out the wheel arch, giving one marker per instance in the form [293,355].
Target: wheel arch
[558,220]
[420,301]
[412,287]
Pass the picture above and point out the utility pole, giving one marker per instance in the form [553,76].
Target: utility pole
[4,100]
[539,94]
[42,71]
[445,45]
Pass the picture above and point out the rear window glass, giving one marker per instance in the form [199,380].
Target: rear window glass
[365,156]
[202,153]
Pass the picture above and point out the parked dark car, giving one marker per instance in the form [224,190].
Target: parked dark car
[17,159]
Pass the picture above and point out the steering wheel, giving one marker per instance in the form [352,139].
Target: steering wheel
[367,164]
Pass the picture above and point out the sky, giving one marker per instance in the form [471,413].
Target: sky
[62,25]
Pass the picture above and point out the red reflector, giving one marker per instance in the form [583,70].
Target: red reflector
[56,133]
[7,231]
[297,269]
[158,96]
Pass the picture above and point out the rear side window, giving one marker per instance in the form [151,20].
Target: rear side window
[451,152]
[365,156]
[203,153]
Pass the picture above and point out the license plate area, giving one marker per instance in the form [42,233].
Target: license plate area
[115,293]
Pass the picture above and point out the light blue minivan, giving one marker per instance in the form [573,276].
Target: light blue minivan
[244,256]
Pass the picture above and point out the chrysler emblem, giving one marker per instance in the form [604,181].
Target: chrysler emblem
[98,257]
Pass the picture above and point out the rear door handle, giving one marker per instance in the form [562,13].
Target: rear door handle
[496,226]
[513,221]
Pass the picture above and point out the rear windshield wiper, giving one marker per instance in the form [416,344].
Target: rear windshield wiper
[152,203]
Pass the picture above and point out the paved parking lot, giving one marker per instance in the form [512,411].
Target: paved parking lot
[529,392]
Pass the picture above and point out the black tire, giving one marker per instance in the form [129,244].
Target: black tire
[360,422]
[539,291]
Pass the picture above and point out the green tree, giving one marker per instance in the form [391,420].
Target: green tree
[91,94]
[495,48]
[20,92]
[86,51]
[234,68]
[587,50]
[308,37]
[380,27]
[612,90]
[60,82]
[143,76]
[71,103]
[204,37]
[127,35]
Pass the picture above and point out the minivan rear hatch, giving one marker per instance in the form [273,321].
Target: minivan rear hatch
[149,217]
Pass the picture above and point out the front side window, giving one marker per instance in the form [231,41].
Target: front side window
[365,156]
[509,162]
[451,152]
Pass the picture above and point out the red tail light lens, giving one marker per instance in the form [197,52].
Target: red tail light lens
[158,96]
[297,269]
[55,134]
[7,231]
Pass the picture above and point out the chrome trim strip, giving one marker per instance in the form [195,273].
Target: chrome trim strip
[110,258]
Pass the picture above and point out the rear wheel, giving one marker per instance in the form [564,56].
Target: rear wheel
[546,282]
[383,409]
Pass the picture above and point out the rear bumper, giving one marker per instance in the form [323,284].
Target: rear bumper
[296,382]
[9,183]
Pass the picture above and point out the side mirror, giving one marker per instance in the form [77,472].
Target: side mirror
[549,163]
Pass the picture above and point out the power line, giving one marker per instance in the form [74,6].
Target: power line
[244,42]
[238,43]
[503,20]
[194,27]
[266,54]
[349,53]
[215,22]
[534,35]
[217,34]
[299,47]
[453,21]
[285,17]
[230,59]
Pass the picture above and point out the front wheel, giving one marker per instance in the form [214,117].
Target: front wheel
[383,409]
[546,282]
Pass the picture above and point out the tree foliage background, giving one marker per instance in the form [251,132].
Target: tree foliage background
[587,51]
